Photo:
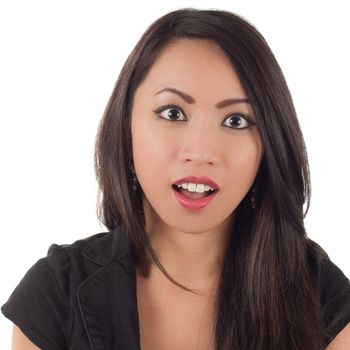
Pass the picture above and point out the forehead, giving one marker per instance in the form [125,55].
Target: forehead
[197,66]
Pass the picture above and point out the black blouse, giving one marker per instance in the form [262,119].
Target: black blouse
[83,296]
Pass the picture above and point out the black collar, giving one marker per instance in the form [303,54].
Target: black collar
[107,298]
[113,246]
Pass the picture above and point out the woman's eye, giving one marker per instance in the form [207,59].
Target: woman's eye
[171,113]
[237,121]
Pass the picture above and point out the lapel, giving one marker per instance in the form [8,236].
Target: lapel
[107,298]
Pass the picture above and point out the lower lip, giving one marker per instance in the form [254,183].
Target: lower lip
[194,204]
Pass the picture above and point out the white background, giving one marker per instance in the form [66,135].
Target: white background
[59,61]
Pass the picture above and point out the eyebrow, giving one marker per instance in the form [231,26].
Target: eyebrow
[189,99]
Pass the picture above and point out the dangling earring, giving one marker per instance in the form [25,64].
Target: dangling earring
[252,198]
[134,178]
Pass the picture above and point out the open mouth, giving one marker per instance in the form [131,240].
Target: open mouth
[193,195]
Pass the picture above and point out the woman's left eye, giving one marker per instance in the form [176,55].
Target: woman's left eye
[238,121]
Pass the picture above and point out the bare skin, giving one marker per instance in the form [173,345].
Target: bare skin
[20,341]
[171,318]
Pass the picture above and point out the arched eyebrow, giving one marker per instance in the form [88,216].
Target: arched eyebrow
[189,99]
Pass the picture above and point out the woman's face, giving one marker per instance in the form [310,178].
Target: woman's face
[193,137]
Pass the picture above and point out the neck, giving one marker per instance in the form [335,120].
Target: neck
[192,259]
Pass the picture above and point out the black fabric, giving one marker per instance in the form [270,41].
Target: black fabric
[334,289]
[83,295]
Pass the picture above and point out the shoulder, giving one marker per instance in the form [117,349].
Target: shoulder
[83,257]
[86,255]
[333,287]
[65,263]
[329,277]
[44,305]
[95,248]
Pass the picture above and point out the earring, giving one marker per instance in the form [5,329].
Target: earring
[134,178]
[252,198]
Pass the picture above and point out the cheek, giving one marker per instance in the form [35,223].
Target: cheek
[245,160]
[147,145]
[152,152]
[246,157]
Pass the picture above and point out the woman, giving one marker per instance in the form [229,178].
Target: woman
[203,174]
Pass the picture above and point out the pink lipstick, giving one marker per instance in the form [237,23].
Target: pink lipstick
[194,203]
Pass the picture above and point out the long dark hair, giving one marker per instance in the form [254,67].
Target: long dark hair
[267,296]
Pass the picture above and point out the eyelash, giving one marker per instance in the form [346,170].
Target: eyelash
[242,115]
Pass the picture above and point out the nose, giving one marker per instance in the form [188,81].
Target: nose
[199,144]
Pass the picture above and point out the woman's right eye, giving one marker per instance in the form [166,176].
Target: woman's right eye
[169,112]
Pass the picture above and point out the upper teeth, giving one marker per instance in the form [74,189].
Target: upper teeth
[200,188]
